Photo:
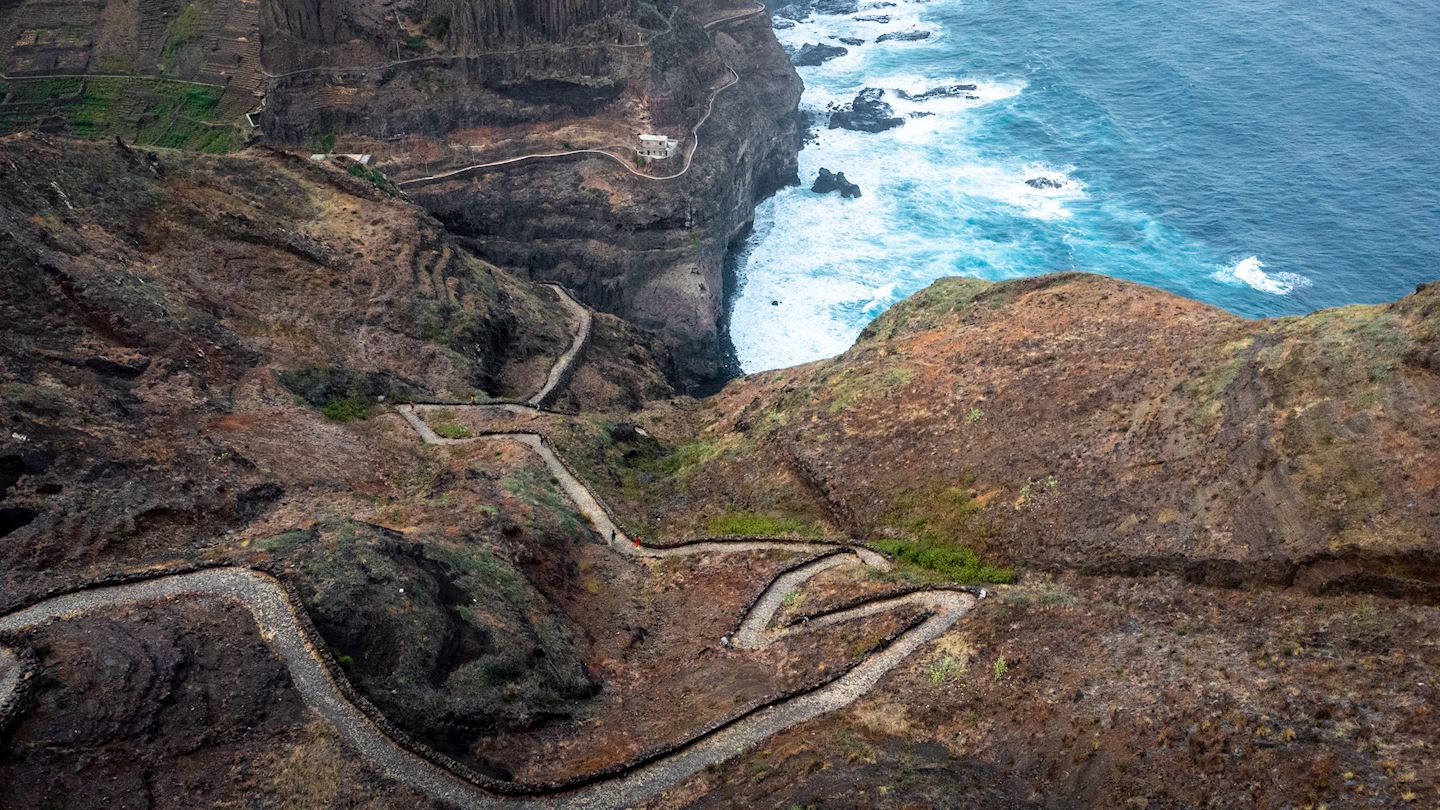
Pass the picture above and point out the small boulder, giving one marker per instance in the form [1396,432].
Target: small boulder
[1044,182]
[966,90]
[903,36]
[852,40]
[812,54]
[828,181]
[836,6]
[867,113]
[875,18]
[780,24]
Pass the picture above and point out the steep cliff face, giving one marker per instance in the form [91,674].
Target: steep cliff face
[650,251]
[477,85]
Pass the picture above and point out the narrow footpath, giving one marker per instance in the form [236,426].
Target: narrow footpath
[320,685]
[692,145]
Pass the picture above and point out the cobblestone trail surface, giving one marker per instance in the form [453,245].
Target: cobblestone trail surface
[274,613]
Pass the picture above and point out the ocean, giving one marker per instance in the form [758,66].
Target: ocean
[1271,158]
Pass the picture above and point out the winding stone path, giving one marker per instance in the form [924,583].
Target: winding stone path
[289,636]
[564,366]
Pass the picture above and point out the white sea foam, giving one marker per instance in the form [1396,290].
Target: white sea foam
[1008,185]
[1251,271]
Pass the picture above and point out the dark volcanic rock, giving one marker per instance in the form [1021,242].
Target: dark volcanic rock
[631,250]
[836,6]
[793,13]
[867,113]
[903,36]
[966,90]
[781,24]
[812,54]
[875,18]
[828,181]
[1044,182]
[852,40]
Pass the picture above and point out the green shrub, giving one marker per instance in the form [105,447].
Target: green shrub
[945,670]
[950,560]
[375,177]
[438,26]
[347,409]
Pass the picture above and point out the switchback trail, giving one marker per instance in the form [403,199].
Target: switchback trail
[322,684]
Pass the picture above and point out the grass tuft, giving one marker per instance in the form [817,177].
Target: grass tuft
[950,560]
[451,430]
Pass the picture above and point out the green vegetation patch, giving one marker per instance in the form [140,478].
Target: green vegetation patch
[938,523]
[451,430]
[374,177]
[751,524]
[144,110]
[952,561]
[347,409]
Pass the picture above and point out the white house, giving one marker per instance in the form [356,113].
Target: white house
[656,147]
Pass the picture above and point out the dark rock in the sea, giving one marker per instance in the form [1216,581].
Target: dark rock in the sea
[921,114]
[879,5]
[1044,182]
[852,40]
[774,303]
[875,18]
[939,92]
[867,113]
[827,182]
[811,54]
[903,36]
[836,6]
[794,12]
[780,24]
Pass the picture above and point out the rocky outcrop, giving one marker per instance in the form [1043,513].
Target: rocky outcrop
[867,113]
[1172,438]
[1045,183]
[903,36]
[947,91]
[812,54]
[828,181]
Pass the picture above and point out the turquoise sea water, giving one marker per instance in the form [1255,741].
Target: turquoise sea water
[1271,158]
